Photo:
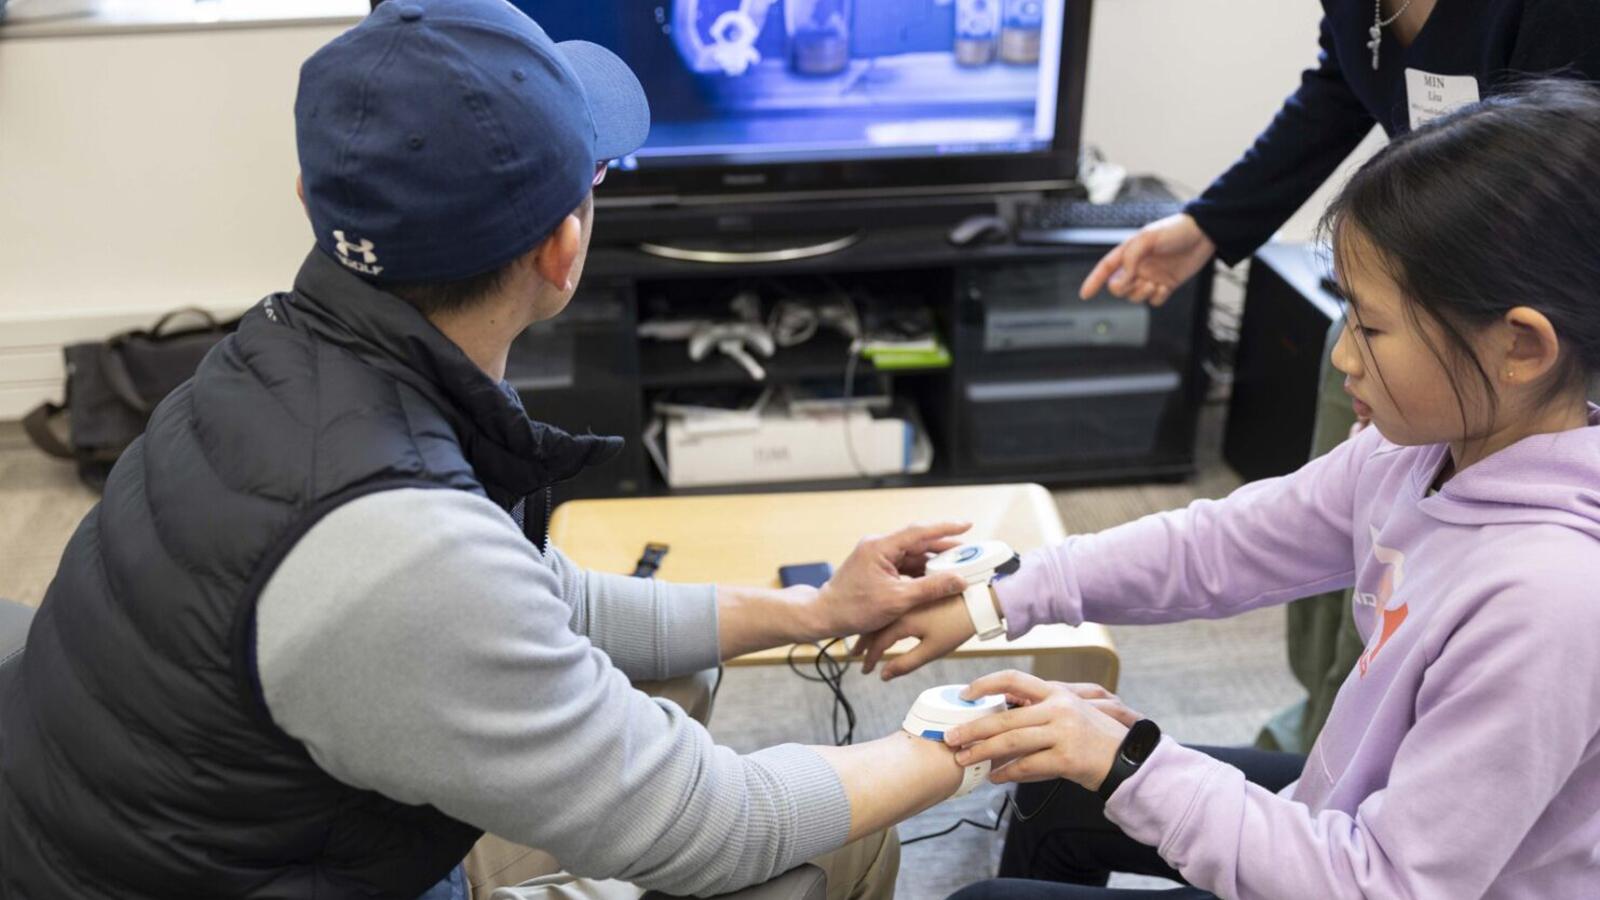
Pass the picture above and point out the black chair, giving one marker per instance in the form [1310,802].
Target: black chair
[14,621]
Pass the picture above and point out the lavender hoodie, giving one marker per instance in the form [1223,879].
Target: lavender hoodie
[1462,755]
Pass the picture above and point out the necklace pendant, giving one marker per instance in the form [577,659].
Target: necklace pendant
[1374,44]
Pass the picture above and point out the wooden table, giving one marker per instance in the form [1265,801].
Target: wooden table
[743,539]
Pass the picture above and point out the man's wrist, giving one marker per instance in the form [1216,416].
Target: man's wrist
[809,619]
[751,619]
[942,757]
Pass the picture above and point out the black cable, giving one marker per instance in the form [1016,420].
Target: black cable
[849,386]
[999,817]
[959,822]
[1016,813]
[830,672]
[1020,816]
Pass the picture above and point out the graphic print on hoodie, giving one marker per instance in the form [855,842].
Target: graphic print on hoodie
[1391,610]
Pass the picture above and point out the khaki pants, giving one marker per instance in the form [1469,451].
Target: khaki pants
[864,870]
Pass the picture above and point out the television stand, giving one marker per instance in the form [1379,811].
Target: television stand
[1039,385]
[748,249]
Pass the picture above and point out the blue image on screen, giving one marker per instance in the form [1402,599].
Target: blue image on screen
[760,81]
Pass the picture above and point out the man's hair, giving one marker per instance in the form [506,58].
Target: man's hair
[442,297]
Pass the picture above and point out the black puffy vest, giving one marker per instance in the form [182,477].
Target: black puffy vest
[138,758]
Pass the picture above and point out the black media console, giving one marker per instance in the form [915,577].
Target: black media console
[1041,386]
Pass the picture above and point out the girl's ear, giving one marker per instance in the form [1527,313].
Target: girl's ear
[1532,348]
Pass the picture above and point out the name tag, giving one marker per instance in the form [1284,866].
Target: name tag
[1431,96]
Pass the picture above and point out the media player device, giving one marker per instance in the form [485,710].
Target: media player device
[939,709]
[979,563]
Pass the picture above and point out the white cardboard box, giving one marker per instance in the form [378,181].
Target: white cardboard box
[777,446]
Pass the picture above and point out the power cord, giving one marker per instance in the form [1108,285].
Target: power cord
[981,826]
[853,355]
[848,320]
[1000,817]
[830,672]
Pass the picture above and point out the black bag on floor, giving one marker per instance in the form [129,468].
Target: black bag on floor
[114,385]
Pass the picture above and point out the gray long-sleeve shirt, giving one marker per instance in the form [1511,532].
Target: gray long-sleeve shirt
[421,647]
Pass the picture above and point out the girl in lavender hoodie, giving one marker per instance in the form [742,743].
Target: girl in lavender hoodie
[1462,756]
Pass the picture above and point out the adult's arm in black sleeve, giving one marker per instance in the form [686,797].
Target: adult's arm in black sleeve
[1318,126]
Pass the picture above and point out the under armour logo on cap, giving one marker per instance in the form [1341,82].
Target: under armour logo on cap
[364,248]
[369,259]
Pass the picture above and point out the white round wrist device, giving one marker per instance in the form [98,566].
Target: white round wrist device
[979,564]
[940,709]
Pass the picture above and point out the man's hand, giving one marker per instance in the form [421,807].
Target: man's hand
[882,580]
[1069,731]
[938,627]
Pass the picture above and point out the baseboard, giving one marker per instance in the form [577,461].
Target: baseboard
[31,369]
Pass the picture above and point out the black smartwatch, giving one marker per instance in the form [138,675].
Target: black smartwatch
[1137,746]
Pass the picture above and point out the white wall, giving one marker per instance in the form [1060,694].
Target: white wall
[140,172]
[1181,87]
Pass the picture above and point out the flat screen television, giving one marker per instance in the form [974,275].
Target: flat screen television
[762,100]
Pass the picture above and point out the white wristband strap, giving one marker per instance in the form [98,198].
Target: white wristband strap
[971,777]
[980,606]
[978,564]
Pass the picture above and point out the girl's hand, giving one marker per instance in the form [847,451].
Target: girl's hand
[939,628]
[1069,731]
[1149,266]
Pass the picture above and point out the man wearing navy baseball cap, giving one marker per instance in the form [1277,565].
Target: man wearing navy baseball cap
[313,642]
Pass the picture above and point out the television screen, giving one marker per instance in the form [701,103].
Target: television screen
[761,82]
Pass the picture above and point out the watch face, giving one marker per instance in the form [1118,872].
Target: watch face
[1141,741]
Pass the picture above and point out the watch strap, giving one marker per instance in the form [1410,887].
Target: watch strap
[980,606]
[971,777]
[1121,770]
[1136,747]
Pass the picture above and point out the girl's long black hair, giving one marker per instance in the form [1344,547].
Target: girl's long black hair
[1493,206]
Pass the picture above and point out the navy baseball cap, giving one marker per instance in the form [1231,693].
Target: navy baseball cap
[441,139]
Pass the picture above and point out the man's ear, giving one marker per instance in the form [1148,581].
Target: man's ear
[1533,348]
[555,257]
[300,191]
